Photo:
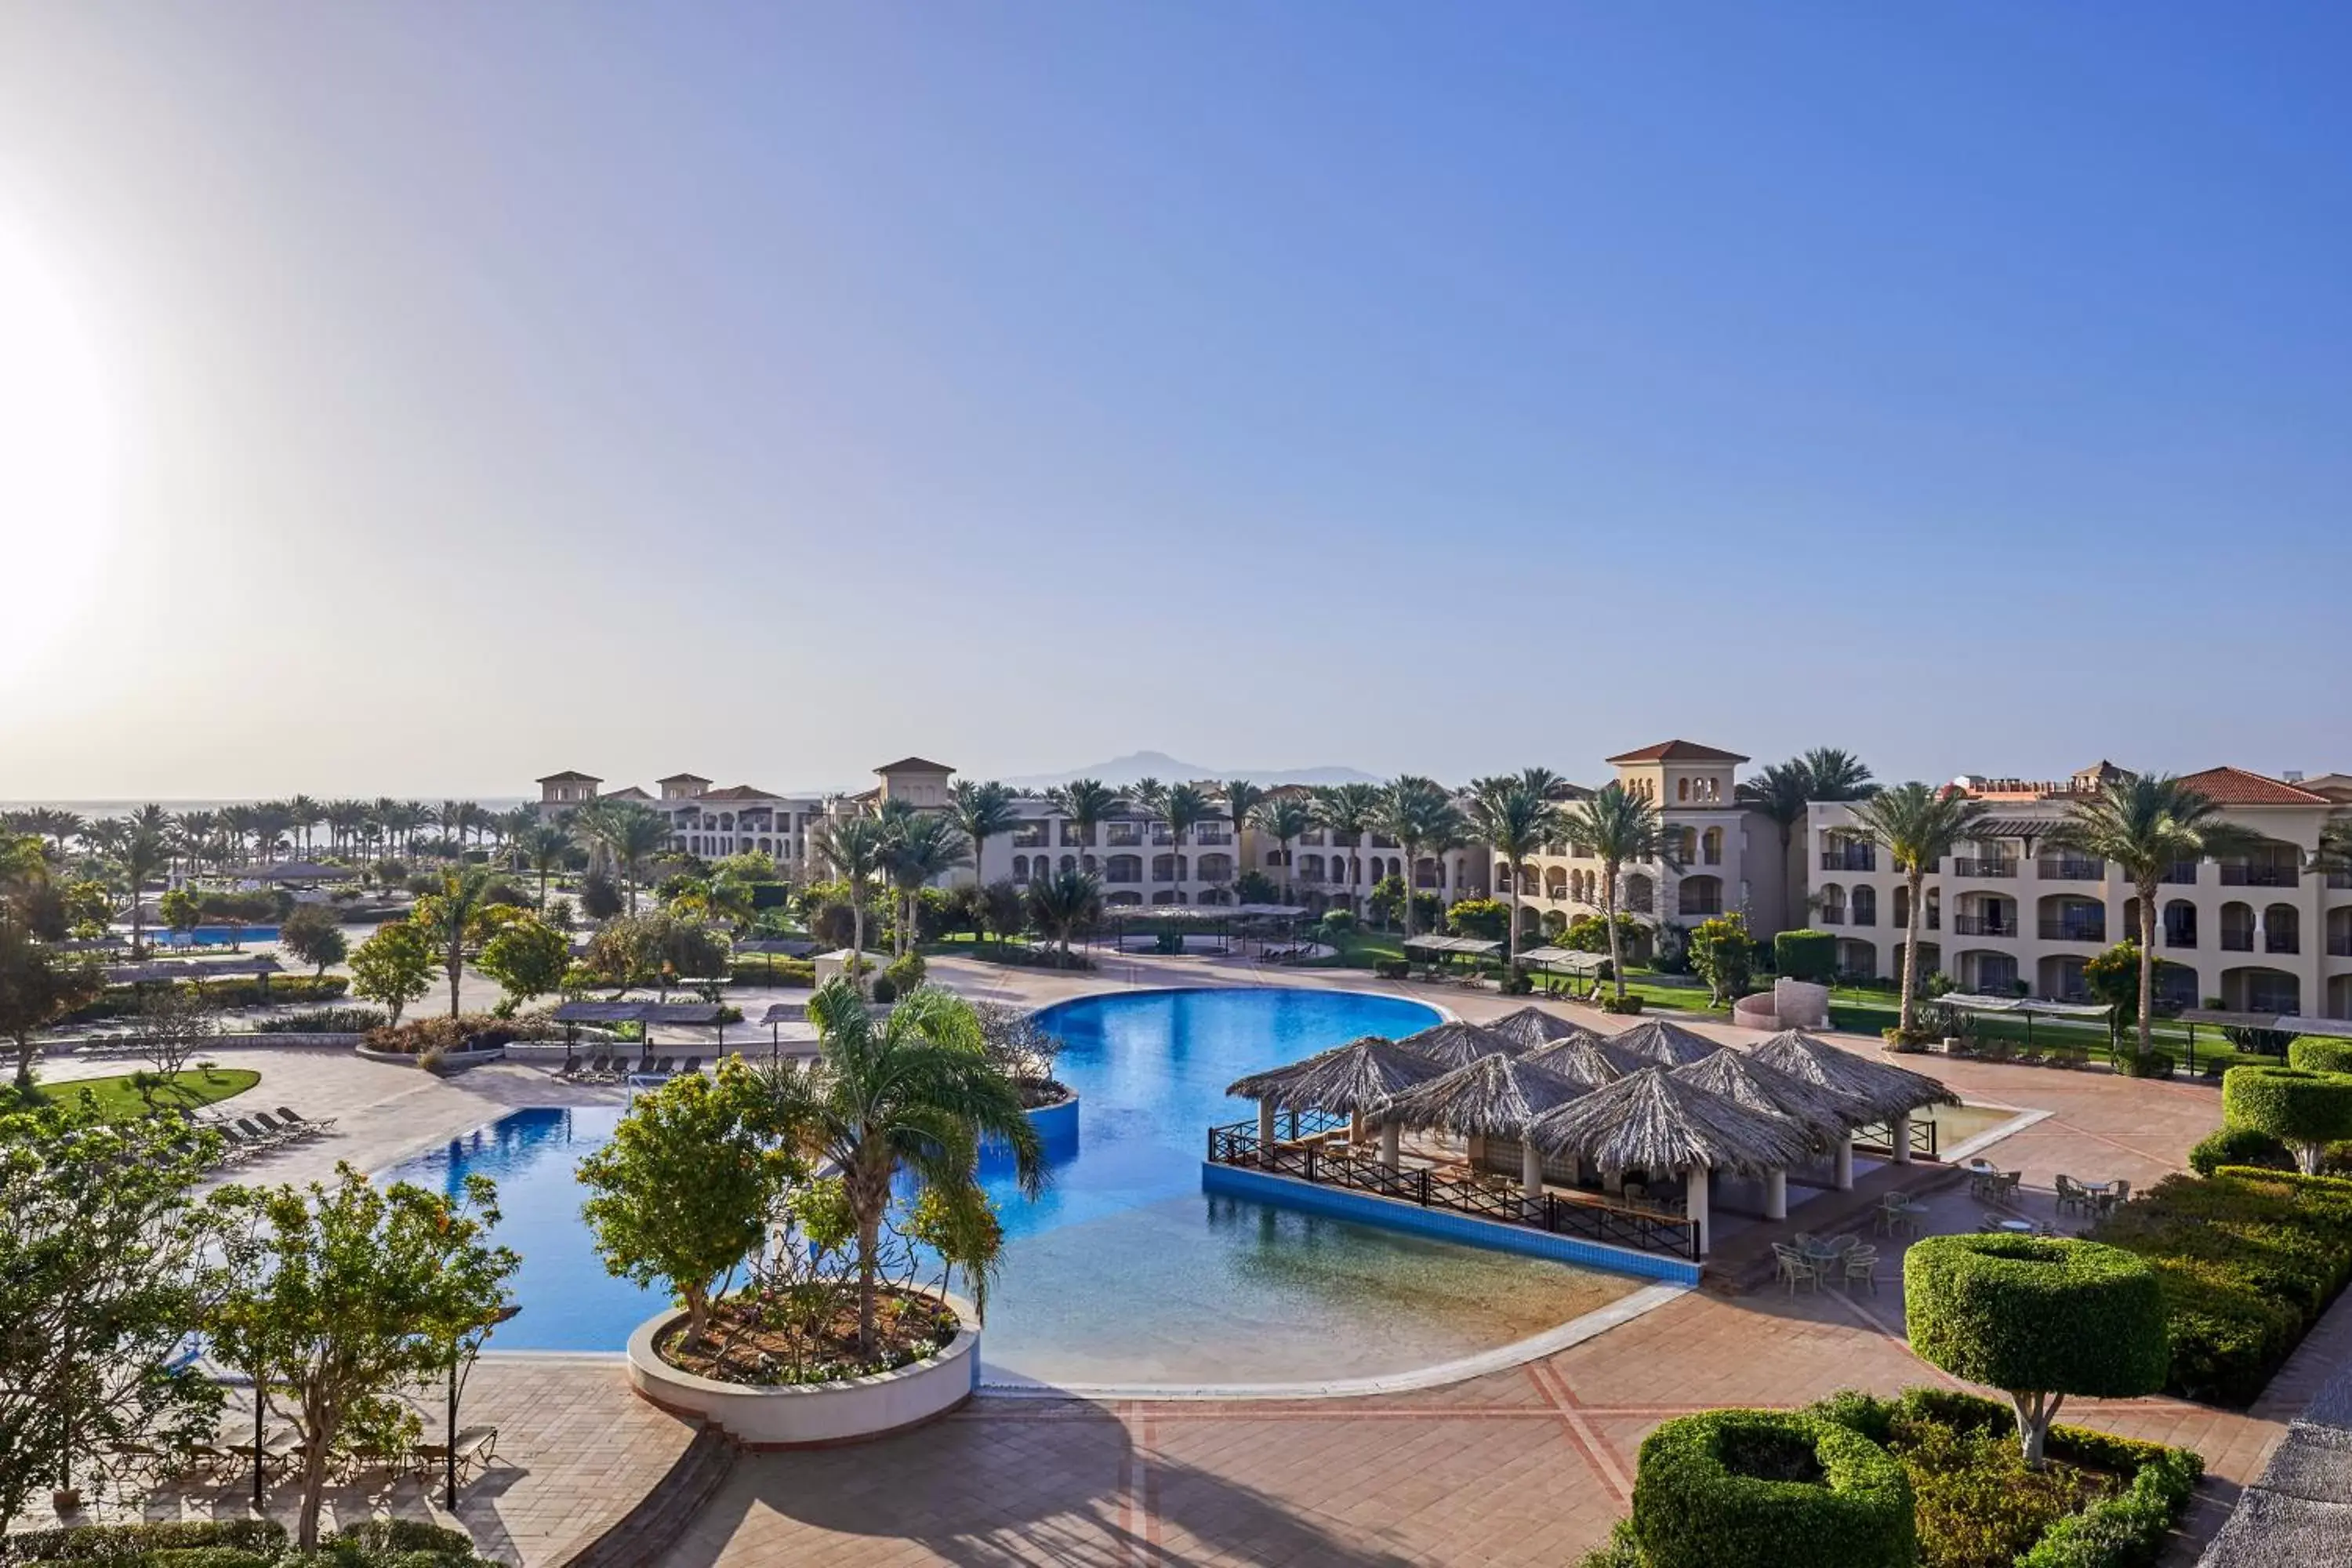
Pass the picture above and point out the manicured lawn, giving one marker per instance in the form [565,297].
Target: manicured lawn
[189,1091]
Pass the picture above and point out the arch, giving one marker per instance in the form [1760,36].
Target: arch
[2282,929]
[1700,896]
[1866,906]
[1641,894]
[1832,904]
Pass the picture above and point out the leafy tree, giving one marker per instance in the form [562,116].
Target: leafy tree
[1619,828]
[1724,956]
[982,811]
[856,849]
[339,1296]
[2145,824]
[312,934]
[1281,819]
[1063,904]
[685,1191]
[915,1092]
[1514,817]
[394,966]
[38,985]
[101,1265]
[1422,817]
[1917,825]
[527,958]
[181,908]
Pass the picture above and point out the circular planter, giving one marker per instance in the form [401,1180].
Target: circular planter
[809,1414]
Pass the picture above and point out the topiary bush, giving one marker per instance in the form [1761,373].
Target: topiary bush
[2305,1111]
[2318,1052]
[1770,1490]
[2038,1318]
[2237,1146]
[1806,956]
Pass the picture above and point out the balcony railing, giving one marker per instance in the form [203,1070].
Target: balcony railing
[1983,925]
[2260,875]
[1967,867]
[1857,860]
[2063,869]
[2064,930]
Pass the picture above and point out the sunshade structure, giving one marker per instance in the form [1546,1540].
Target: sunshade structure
[1872,1093]
[1532,1026]
[1457,1043]
[1585,1058]
[1492,1096]
[1654,1122]
[1665,1045]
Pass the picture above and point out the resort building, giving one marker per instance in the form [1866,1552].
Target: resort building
[2264,933]
[1729,856]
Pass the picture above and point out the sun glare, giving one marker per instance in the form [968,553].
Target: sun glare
[56,460]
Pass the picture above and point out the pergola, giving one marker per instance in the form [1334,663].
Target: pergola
[573,1013]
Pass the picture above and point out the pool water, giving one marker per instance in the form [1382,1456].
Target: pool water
[1123,1272]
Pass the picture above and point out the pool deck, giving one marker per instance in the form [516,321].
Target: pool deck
[1527,1465]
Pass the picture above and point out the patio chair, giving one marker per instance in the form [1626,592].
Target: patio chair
[1795,1268]
[1860,1262]
[2072,1198]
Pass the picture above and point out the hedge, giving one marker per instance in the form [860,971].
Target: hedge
[2303,1109]
[2318,1052]
[1698,1503]
[2036,1313]
[1806,956]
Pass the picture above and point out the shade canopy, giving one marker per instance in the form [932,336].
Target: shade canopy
[1651,1121]
[1874,1090]
[1531,1027]
[1740,1078]
[1587,1059]
[1493,1097]
[1456,1043]
[1342,1081]
[1665,1045]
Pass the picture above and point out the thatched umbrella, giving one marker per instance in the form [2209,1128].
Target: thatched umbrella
[1493,1097]
[1585,1058]
[1457,1043]
[1665,1045]
[1652,1120]
[1872,1091]
[1531,1028]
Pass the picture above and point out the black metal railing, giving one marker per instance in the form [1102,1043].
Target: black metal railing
[1880,1139]
[1495,1199]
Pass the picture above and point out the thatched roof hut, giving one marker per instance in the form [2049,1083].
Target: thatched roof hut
[1651,1121]
[1665,1045]
[1585,1058]
[1740,1078]
[1343,1080]
[1531,1028]
[1493,1097]
[1873,1091]
[1457,1043]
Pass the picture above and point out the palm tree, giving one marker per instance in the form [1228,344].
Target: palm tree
[982,811]
[1420,815]
[628,831]
[1347,811]
[1179,808]
[915,1091]
[1917,825]
[1514,815]
[2145,825]
[1619,828]
[1283,819]
[1086,802]
[448,917]
[922,846]
[1064,903]
[543,847]
[1241,798]
[855,849]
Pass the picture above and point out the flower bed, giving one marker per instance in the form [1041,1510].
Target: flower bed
[2248,1259]
[2099,1502]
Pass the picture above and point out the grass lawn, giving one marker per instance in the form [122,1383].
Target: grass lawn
[190,1090]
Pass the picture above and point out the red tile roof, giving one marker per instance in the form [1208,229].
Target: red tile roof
[2236,786]
[1678,752]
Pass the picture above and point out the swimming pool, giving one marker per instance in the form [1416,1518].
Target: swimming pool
[1123,1272]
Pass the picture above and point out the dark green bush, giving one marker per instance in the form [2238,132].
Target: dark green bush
[1769,1489]
[1806,956]
[83,1542]
[2237,1146]
[2319,1053]
[2036,1313]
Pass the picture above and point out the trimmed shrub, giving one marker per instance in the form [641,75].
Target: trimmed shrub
[2319,1053]
[1806,956]
[2305,1111]
[2237,1146]
[1766,1488]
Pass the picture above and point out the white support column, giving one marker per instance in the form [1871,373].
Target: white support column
[1902,1139]
[1776,1195]
[1695,1204]
[1531,1180]
[1845,1164]
[1392,1139]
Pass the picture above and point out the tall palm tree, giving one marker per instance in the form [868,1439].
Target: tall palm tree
[1917,825]
[1086,802]
[629,832]
[1241,798]
[1421,816]
[1619,828]
[1513,817]
[914,1092]
[1180,808]
[1063,904]
[982,811]
[448,917]
[922,846]
[543,847]
[2146,825]
[1283,819]
[1347,811]
[856,849]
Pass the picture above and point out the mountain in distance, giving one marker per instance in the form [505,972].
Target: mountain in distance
[1159,765]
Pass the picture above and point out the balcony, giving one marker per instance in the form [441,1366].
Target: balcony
[2260,875]
[1983,925]
[2064,930]
[2063,869]
[1963,867]
[1855,857]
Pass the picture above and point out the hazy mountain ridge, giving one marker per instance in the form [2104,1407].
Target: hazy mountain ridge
[1136,765]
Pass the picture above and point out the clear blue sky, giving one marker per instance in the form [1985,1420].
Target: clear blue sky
[774,390]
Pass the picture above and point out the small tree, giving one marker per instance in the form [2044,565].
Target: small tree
[684,1193]
[312,934]
[339,1296]
[1724,956]
[38,985]
[2038,1318]
[527,958]
[2304,1111]
[394,966]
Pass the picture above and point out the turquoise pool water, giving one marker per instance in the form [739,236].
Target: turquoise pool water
[1123,1271]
